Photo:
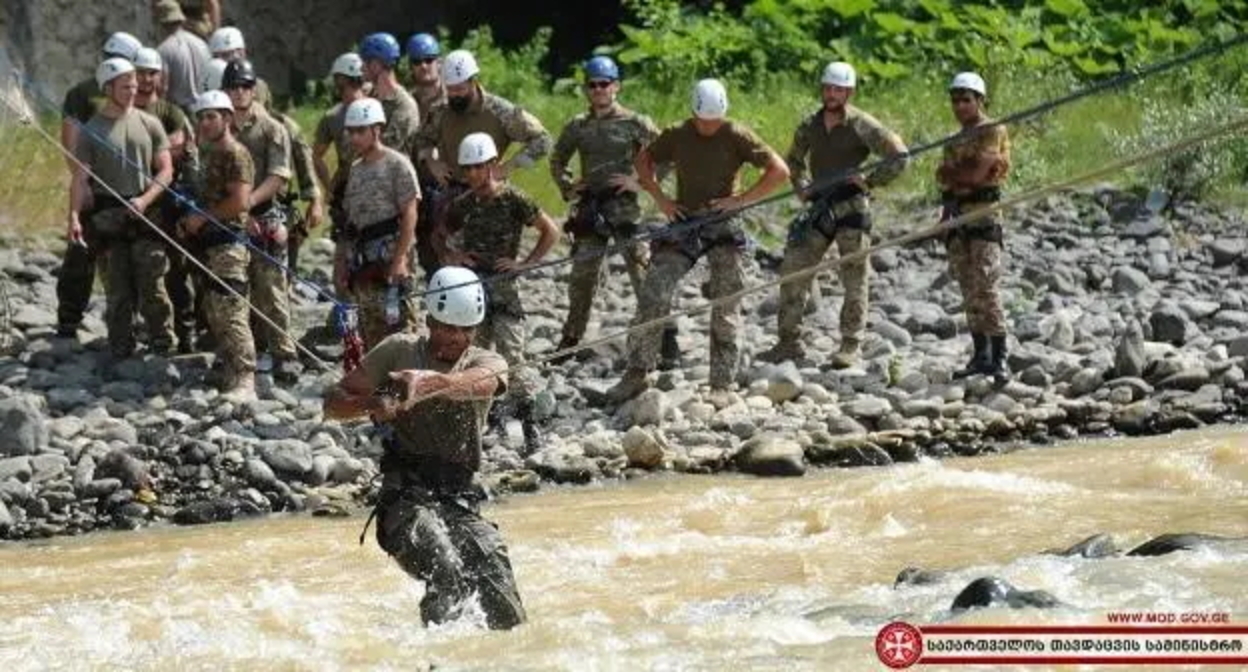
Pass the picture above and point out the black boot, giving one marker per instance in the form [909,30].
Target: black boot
[496,419]
[565,343]
[999,367]
[669,354]
[532,435]
[981,358]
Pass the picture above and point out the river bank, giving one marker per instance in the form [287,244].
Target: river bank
[1123,321]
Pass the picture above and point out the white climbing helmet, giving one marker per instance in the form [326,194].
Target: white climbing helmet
[111,69]
[458,67]
[710,99]
[476,148]
[211,81]
[841,74]
[123,45]
[213,100]
[364,112]
[228,38]
[452,300]
[148,58]
[348,65]
[969,81]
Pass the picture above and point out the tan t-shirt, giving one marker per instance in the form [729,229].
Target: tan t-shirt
[707,166]
[377,190]
[121,151]
[439,428]
[269,144]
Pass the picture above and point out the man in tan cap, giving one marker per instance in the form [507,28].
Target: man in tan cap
[185,55]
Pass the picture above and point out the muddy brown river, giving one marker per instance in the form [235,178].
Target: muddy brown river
[669,573]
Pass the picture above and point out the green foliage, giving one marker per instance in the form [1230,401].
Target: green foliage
[893,39]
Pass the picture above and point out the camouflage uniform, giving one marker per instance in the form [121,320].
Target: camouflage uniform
[428,98]
[374,198]
[428,515]
[838,215]
[81,264]
[331,130]
[975,248]
[137,262]
[402,121]
[227,258]
[491,228]
[706,168]
[269,144]
[607,146]
[443,129]
[309,190]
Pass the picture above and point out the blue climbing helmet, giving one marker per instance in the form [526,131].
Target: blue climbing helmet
[380,47]
[423,45]
[601,67]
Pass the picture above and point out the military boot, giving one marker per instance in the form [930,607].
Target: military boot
[532,435]
[634,382]
[981,358]
[847,356]
[669,354]
[782,351]
[241,389]
[999,367]
[565,343]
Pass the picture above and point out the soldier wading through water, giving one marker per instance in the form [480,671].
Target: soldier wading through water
[427,514]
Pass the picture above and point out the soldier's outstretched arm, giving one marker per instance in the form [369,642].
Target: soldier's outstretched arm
[353,398]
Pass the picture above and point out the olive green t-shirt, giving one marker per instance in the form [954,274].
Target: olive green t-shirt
[121,152]
[442,428]
[707,166]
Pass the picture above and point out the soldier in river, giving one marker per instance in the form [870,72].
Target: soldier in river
[82,256]
[469,109]
[971,174]
[708,151]
[834,141]
[607,138]
[428,513]
[269,144]
[380,200]
[228,174]
[487,223]
[126,152]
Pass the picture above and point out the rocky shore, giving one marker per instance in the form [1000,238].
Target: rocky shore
[1122,322]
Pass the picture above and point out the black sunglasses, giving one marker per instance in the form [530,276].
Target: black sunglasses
[598,84]
[424,61]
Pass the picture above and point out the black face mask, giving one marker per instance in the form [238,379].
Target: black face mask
[459,103]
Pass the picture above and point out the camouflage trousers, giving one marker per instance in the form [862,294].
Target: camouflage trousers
[587,273]
[808,250]
[976,265]
[371,301]
[227,314]
[503,332]
[270,294]
[667,268]
[136,279]
[442,540]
